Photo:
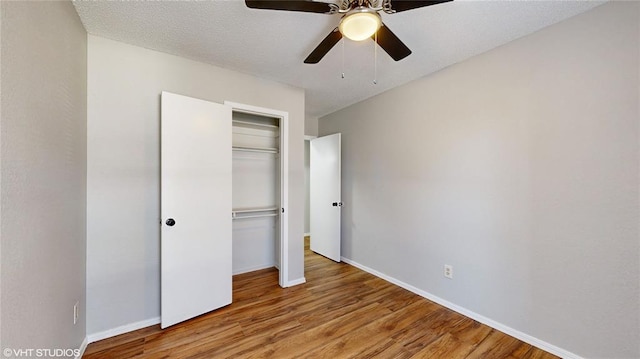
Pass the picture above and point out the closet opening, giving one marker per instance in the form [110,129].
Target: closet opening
[259,191]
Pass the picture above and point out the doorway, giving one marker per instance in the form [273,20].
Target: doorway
[261,154]
[323,194]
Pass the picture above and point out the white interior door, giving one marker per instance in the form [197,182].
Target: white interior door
[325,198]
[195,207]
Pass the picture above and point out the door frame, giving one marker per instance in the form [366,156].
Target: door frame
[283,117]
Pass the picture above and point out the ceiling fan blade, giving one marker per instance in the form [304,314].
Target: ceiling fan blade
[327,44]
[390,43]
[403,5]
[289,5]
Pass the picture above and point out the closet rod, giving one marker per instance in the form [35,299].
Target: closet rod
[275,156]
[255,149]
[257,216]
[255,124]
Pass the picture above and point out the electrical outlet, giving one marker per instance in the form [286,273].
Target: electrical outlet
[448,271]
[76,312]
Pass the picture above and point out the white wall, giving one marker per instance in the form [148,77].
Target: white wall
[43,175]
[311,126]
[307,189]
[310,129]
[519,167]
[123,204]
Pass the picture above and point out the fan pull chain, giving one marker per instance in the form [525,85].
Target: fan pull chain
[343,57]
[375,59]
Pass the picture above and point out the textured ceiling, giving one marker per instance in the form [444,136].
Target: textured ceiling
[273,44]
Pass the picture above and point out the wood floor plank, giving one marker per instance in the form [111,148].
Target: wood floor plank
[388,348]
[495,345]
[535,353]
[311,339]
[469,330]
[122,339]
[127,349]
[192,345]
[348,345]
[446,346]
[340,312]
[422,332]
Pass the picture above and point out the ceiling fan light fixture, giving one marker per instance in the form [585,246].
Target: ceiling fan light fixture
[360,24]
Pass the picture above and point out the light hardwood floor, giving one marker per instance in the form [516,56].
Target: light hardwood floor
[341,312]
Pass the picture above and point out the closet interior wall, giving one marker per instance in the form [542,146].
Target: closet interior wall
[256,192]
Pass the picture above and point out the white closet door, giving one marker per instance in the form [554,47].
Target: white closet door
[325,198]
[195,207]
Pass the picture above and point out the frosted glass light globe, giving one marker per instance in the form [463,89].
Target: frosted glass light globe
[360,25]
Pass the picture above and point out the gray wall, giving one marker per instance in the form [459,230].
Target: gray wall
[519,167]
[123,204]
[43,174]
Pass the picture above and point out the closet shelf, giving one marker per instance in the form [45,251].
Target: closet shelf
[254,124]
[255,149]
[259,212]
[254,210]
[255,135]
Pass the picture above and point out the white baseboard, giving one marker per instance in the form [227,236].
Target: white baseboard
[251,269]
[298,281]
[92,338]
[83,347]
[470,314]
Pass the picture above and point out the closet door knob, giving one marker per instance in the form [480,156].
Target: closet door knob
[170,222]
[335,204]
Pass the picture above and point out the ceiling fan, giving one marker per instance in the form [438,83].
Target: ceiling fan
[360,20]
